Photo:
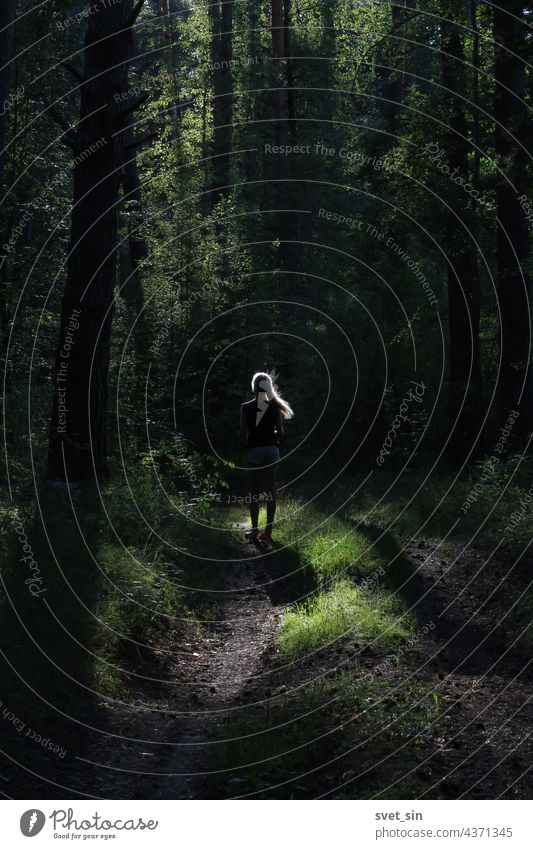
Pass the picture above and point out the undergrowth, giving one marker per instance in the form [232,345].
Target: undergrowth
[344,611]
[116,571]
[375,725]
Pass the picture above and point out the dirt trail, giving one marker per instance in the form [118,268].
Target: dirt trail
[160,744]
[480,669]
[479,745]
[246,630]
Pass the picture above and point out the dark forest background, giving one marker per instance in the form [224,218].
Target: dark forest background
[335,190]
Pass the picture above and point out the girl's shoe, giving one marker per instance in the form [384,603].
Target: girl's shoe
[264,536]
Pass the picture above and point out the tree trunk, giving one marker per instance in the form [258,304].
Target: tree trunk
[396,79]
[475,93]
[510,111]
[283,188]
[463,284]
[291,108]
[279,95]
[221,16]
[78,438]
[131,187]
[390,54]
[7,32]
[254,86]
[132,202]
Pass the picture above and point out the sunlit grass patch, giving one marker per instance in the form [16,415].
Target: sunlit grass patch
[338,555]
[339,551]
[333,546]
[345,610]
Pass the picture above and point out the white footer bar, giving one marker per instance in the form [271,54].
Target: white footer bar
[268,824]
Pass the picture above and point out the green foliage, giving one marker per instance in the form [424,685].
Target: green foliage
[377,725]
[331,546]
[139,594]
[345,611]
[208,263]
[269,276]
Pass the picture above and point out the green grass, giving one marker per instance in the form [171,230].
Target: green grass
[274,752]
[109,597]
[346,570]
[333,546]
[481,501]
[338,551]
[344,611]
[158,581]
[138,599]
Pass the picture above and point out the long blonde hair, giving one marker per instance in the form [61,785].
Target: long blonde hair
[262,382]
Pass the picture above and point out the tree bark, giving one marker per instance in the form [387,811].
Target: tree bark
[391,54]
[221,17]
[7,33]
[283,190]
[291,107]
[279,95]
[514,286]
[254,85]
[132,204]
[475,93]
[78,437]
[463,284]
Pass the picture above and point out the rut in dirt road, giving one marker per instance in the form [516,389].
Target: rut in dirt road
[251,600]
[465,699]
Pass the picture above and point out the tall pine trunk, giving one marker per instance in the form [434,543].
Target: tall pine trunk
[390,55]
[7,32]
[291,108]
[279,95]
[285,191]
[463,283]
[221,17]
[254,85]
[511,115]
[78,438]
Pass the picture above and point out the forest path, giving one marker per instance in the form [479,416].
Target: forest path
[480,670]
[225,668]
[461,658]
[477,742]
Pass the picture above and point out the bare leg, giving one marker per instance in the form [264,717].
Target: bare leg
[254,473]
[270,494]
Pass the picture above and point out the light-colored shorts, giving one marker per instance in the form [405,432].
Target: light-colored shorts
[263,455]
